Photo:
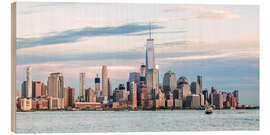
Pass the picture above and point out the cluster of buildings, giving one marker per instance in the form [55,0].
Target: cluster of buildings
[142,90]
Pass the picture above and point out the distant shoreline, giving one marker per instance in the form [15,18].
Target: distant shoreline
[125,109]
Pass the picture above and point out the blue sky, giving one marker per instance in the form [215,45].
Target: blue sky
[219,42]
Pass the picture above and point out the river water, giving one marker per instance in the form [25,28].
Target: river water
[135,121]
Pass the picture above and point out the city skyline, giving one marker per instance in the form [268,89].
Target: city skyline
[179,47]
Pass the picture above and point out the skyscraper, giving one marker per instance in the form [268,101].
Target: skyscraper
[195,88]
[104,81]
[23,90]
[199,81]
[134,77]
[36,89]
[152,81]
[29,81]
[150,53]
[236,95]
[133,89]
[143,70]
[169,81]
[82,85]
[110,92]
[56,85]
[205,93]
[69,97]
[97,86]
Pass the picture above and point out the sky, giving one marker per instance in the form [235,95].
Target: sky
[219,42]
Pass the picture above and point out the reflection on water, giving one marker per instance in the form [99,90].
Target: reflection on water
[113,121]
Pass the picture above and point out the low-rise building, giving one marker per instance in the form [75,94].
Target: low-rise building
[25,104]
[90,105]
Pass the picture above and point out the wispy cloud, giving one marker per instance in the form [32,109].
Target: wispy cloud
[70,36]
[198,13]
[172,43]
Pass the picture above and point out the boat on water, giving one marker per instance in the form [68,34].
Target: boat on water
[209,110]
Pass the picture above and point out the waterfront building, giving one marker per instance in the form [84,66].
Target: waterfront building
[43,90]
[133,90]
[169,100]
[142,70]
[25,104]
[199,81]
[55,103]
[89,95]
[82,85]
[202,101]
[142,94]
[178,103]
[128,85]
[104,81]
[169,81]
[236,95]
[36,89]
[23,89]
[152,81]
[134,77]
[183,88]
[193,101]
[224,94]
[161,99]
[110,92]
[205,93]
[29,82]
[195,88]
[213,90]
[97,86]
[56,85]
[211,98]
[218,100]
[90,105]
[42,103]
[69,95]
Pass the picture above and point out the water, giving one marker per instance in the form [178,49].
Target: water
[113,121]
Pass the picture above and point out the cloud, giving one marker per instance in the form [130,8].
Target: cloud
[172,43]
[199,13]
[71,36]
[30,59]
[147,33]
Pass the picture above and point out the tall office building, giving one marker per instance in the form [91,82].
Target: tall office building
[195,88]
[56,85]
[142,70]
[97,86]
[236,95]
[218,100]
[29,81]
[184,88]
[110,92]
[134,77]
[104,81]
[82,85]
[89,95]
[169,81]
[36,89]
[199,81]
[23,90]
[43,90]
[133,89]
[69,97]
[152,81]
[150,53]
[205,93]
